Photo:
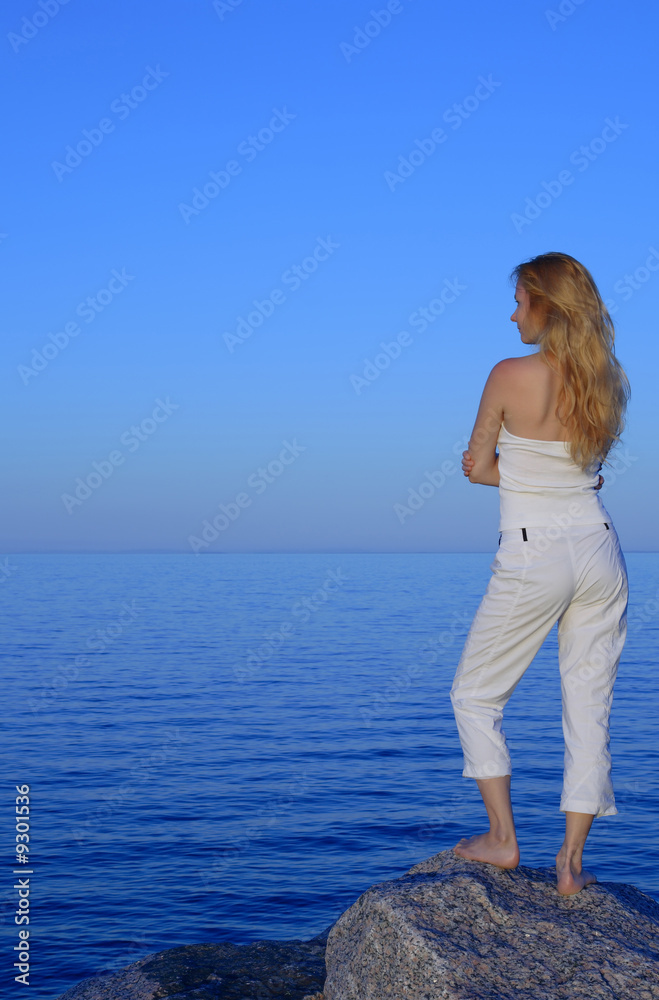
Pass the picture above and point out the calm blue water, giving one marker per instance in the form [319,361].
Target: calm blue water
[239,753]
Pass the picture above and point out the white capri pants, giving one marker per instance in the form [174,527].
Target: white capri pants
[577,576]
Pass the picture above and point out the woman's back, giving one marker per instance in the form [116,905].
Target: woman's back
[539,482]
[531,397]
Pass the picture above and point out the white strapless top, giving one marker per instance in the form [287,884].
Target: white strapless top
[540,485]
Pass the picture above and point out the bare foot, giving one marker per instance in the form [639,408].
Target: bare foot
[570,876]
[488,848]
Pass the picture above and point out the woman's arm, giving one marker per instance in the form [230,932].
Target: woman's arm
[467,466]
[483,463]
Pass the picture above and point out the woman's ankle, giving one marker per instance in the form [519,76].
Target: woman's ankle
[503,836]
[570,856]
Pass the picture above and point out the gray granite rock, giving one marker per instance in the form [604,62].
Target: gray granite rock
[448,929]
[264,970]
[461,930]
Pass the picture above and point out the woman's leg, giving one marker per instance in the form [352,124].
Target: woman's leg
[591,636]
[531,585]
[499,845]
[571,877]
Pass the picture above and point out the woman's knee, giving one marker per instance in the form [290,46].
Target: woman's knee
[459,699]
[465,701]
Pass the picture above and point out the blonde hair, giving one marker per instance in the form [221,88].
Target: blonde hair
[577,339]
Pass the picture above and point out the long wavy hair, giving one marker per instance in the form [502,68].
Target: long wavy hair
[577,339]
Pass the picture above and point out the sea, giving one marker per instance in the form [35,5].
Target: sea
[233,747]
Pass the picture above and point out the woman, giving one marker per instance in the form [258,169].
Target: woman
[554,416]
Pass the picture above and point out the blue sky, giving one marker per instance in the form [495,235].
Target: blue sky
[216,215]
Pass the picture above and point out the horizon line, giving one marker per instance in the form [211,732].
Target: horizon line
[258,552]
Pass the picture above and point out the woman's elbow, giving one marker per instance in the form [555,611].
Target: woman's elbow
[484,477]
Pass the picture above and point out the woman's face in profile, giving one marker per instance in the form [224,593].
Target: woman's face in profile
[522,316]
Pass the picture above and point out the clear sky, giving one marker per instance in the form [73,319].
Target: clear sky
[256,259]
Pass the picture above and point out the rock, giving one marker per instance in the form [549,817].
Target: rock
[286,970]
[448,929]
[462,930]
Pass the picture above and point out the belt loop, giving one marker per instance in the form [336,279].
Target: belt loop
[499,538]
[606,526]
[524,534]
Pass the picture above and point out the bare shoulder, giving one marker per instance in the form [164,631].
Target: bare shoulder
[511,369]
[530,366]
